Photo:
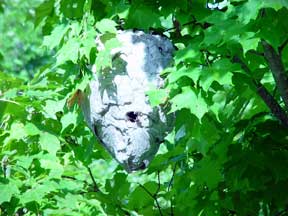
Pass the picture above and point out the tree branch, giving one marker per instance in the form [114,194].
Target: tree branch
[266,96]
[277,68]
[270,101]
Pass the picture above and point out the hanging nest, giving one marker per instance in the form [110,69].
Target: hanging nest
[116,106]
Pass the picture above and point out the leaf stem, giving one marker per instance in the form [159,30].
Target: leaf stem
[153,197]
[159,184]
[169,187]
[280,49]
[96,188]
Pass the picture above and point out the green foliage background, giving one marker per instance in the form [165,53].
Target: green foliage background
[227,153]
[20,51]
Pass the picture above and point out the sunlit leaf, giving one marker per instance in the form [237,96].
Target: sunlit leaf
[191,100]
[49,143]
[106,25]
[7,190]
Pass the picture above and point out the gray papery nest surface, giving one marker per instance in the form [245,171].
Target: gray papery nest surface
[116,107]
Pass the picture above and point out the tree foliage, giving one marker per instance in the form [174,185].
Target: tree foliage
[20,52]
[227,153]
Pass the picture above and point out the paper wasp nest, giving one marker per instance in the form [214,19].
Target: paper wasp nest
[116,107]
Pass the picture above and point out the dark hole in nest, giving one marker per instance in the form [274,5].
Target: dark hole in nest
[132,116]
[142,166]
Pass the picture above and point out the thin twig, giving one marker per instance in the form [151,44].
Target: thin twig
[69,177]
[95,188]
[256,53]
[282,46]
[194,22]
[281,212]
[123,210]
[152,196]
[159,184]
[274,92]
[9,101]
[172,177]
[169,187]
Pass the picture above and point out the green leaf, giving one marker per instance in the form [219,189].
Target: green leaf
[31,129]
[7,190]
[16,132]
[8,82]
[68,119]
[189,99]
[139,194]
[276,4]
[12,108]
[248,11]
[69,51]
[157,96]
[275,33]
[103,60]
[142,17]
[72,200]
[52,107]
[49,143]
[193,72]
[106,25]
[88,43]
[72,9]
[189,54]
[53,40]
[84,82]
[51,162]
[221,72]
[249,42]
[37,192]
[24,161]
[203,136]
[44,10]
[112,43]
[208,172]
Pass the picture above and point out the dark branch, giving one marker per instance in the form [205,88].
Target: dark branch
[95,186]
[154,198]
[270,101]
[278,70]
[266,96]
